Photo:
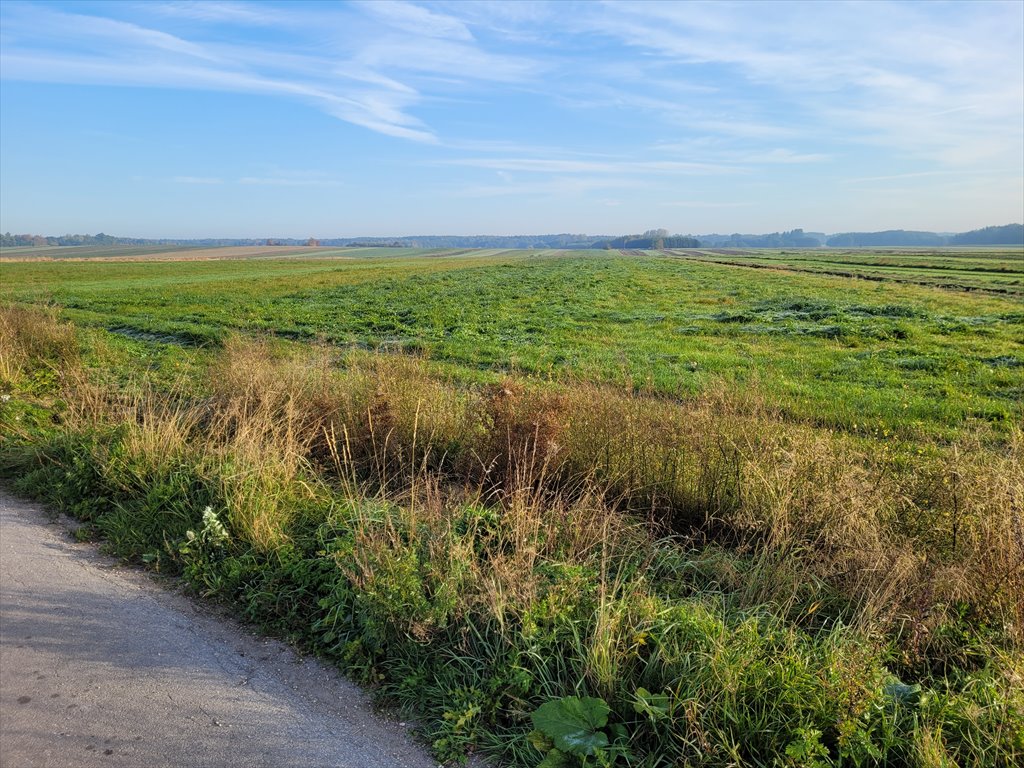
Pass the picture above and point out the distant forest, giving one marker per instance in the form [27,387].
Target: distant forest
[1008,234]
[795,238]
[652,239]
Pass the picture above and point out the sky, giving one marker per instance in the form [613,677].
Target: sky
[179,119]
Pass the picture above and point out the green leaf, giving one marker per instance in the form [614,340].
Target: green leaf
[655,705]
[903,694]
[541,741]
[574,724]
[555,759]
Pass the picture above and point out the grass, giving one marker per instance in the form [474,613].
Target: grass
[739,573]
[992,270]
[844,353]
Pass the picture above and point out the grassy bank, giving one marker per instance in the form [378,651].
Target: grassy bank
[716,583]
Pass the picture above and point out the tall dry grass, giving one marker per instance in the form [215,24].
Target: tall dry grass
[888,527]
[517,504]
[900,534]
[33,340]
[895,532]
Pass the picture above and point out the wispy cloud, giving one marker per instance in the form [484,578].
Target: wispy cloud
[784,157]
[197,180]
[359,80]
[703,204]
[280,181]
[555,187]
[724,153]
[845,70]
[833,70]
[416,19]
[222,12]
[95,33]
[918,175]
[549,165]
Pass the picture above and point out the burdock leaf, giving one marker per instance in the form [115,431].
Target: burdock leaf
[574,724]
[554,759]
[903,694]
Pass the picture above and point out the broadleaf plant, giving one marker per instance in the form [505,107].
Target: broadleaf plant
[574,724]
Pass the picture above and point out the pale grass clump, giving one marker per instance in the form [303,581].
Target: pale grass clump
[811,505]
[674,460]
[157,436]
[806,503]
[261,491]
[252,437]
[259,469]
[263,393]
[620,630]
[930,749]
[33,339]
[521,441]
[809,497]
[845,515]
[414,420]
[267,413]
[977,529]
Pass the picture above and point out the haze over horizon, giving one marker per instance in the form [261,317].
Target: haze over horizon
[191,120]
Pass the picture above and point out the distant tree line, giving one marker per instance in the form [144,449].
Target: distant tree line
[795,238]
[889,237]
[564,240]
[652,239]
[1008,234]
[8,240]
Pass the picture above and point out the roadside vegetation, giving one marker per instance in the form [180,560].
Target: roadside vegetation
[564,563]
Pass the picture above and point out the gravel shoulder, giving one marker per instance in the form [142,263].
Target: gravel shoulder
[101,666]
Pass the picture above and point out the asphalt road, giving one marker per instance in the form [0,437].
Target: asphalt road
[101,666]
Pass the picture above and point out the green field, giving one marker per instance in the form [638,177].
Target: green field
[892,352]
[570,509]
[992,270]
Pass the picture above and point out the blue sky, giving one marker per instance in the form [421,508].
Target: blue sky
[210,119]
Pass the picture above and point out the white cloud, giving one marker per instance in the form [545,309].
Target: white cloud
[703,204]
[557,187]
[285,181]
[925,78]
[783,157]
[357,79]
[221,12]
[872,180]
[549,165]
[416,19]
